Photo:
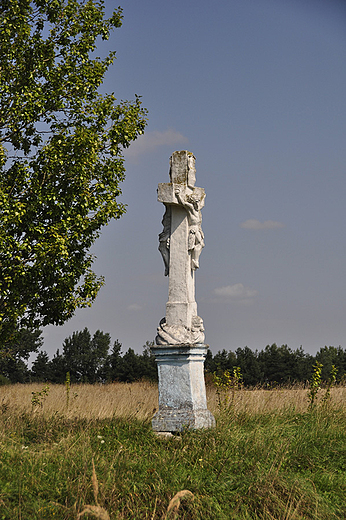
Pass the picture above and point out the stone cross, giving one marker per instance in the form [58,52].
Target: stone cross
[181,243]
[180,351]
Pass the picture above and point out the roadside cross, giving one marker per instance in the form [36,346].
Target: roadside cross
[180,350]
[181,243]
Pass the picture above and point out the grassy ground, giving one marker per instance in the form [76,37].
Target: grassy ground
[268,457]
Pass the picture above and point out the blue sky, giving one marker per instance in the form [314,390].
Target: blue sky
[256,90]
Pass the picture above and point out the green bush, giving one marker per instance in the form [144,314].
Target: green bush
[4,380]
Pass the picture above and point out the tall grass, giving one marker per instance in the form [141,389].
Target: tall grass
[140,399]
[269,457]
[84,401]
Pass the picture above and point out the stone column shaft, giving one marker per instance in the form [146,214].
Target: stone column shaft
[181,305]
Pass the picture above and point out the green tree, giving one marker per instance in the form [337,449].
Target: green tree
[330,356]
[41,370]
[130,367]
[100,345]
[76,351]
[112,363]
[58,368]
[209,362]
[275,363]
[303,363]
[84,356]
[15,354]
[61,160]
[284,365]
[148,363]
[222,361]
[247,360]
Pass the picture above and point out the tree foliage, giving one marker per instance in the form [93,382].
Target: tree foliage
[41,370]
[84,355]
[61,160]
[276,365]
[89,359]
[14,355]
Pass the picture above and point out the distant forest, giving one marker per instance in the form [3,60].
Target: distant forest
[93,359]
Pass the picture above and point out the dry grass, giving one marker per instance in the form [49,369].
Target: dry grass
[140,400]
[85,401]
[260,401]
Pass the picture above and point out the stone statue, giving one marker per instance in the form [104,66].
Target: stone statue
[193,205]
[180,244]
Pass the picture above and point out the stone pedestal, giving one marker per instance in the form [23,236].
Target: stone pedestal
[182,396]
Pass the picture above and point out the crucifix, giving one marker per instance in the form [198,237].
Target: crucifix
[180,351]
[181,243]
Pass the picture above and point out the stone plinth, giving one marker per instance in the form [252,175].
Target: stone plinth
[182,396]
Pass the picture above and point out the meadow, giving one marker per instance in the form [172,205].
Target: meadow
[88,451]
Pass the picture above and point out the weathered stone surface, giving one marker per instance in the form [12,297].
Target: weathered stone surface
[182,396]
[180,420]
[182,168]
[176,334]
[166,193]
[180,350]
[180,244]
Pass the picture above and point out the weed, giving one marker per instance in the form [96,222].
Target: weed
[67,389]
[226,386]
[39,397]
[315,384]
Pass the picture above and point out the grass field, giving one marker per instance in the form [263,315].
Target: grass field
[91,453]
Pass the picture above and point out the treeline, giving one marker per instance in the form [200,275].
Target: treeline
[87,358]
[277,365]
[93,359]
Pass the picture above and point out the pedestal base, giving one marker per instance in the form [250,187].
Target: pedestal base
[180,420]
[182,395]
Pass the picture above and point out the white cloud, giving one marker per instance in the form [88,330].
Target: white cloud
[149,141]
[256,225]
[236,293]
[134,307]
